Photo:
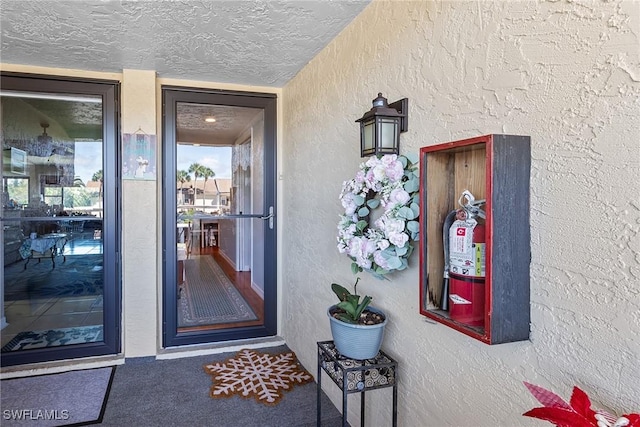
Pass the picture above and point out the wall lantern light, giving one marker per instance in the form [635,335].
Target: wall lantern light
[381,126]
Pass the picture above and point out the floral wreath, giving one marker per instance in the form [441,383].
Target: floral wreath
[390,181]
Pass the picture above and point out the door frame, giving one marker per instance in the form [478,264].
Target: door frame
[171,95]
[111,225]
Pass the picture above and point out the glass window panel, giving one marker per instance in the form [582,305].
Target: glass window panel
[219,172]
[16,192]
[52,203]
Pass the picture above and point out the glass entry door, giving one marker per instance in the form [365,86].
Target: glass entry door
[219,203]
[60,283]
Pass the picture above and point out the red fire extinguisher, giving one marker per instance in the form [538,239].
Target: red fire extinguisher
[465,261]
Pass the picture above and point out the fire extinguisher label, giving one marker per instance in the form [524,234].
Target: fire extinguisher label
[459,239]
[466,258]
[457,299]
[479,250]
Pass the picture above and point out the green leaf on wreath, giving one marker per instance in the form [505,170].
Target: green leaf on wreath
[413,226]
[412,157]
[416,209]
[373,203]
[394,263]
[361,225]
[363,211]
[402,251]
[409,251]
[403,160]
[412,185]
[389,252]
[406,213]
[358,200]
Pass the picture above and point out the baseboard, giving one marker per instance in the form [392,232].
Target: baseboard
[257,290]
[229,260]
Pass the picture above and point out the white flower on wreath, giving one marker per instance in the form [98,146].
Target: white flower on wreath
[390,183]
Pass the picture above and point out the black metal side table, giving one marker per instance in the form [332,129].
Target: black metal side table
[356,376]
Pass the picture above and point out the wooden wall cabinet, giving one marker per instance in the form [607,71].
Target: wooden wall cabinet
[495,168]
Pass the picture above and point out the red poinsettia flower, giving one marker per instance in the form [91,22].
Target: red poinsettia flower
[576,413]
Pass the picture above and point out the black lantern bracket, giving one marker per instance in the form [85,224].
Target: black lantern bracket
[402,107]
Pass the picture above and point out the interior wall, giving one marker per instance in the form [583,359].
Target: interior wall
[567,73]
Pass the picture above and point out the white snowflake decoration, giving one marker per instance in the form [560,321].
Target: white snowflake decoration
[263,376]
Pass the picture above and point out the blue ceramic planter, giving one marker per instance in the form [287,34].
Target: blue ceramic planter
[357,341]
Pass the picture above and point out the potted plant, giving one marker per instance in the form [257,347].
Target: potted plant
[357,328]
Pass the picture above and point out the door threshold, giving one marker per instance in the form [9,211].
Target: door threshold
[219,347]
[58,366]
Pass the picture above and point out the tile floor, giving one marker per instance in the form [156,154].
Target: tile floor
[53,313]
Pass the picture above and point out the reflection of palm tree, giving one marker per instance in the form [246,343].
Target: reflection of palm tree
[97,177]
[182,177]
[77,181]
[206,174]
[196,169]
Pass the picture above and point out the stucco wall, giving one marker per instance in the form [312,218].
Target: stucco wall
[567,73]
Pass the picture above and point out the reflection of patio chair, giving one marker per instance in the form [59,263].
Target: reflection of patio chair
[77,226]
[72,227]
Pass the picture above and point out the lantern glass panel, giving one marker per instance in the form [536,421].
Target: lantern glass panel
[388,132]
[367,135]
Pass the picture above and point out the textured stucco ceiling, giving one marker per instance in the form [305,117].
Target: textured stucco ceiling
[250,42]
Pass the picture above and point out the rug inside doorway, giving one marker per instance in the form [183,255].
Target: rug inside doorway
[208,297]
[67,398]
[263,376]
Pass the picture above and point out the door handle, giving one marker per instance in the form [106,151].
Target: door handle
[269,217]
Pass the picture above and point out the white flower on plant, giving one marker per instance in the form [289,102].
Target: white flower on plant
[380,260]
[379,173]
[390,225]
[361,249]
[398,239]
[372,162]
[399,197]
[395,171]
[348,232]
[388,159]
[349,204]
[383,244]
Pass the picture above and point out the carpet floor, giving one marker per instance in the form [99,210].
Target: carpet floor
[148,392]
[208,297]
[68,398]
